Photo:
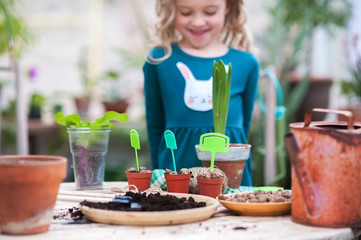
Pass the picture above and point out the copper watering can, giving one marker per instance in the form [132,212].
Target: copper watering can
[326,171]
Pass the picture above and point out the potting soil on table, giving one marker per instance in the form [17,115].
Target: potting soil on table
[150,202]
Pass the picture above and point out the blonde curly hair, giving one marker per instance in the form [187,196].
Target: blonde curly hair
[235,32]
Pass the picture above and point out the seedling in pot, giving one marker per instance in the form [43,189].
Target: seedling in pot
[175,182]
[171,144]
[214,142]
[135,143]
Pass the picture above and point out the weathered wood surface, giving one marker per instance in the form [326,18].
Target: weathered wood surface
[223,225]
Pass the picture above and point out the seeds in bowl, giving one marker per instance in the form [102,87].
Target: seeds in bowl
[258,197]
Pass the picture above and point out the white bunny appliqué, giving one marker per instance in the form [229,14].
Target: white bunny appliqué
[197,93]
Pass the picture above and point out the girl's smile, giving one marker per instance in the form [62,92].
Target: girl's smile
[199,33]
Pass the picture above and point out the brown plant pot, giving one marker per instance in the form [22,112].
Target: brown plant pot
[29,186]
[210,187]
[178,183]
[82,105]
[231,163]
[140,180]
[317,96]
[119,106]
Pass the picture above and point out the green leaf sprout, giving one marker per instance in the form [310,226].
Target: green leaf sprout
[91,136]
[221,92]
[74,120]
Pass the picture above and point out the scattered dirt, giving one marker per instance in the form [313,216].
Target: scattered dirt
[150,202]
[240,228]
[68,214]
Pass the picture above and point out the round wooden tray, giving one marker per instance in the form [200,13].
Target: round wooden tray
[154,218]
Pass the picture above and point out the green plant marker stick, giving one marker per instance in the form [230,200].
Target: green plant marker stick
[214,142]
[171,144]
[135,143]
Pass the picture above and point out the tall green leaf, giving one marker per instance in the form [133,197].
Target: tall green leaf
[220,94]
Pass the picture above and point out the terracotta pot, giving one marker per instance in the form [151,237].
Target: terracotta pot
[140,180]
[119,106]
[178,183]
[231,163]
[326,171]
[29,187]
[82,105]
[210,187]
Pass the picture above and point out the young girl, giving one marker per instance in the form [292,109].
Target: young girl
[178,77]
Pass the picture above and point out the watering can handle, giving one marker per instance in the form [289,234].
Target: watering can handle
[347,114]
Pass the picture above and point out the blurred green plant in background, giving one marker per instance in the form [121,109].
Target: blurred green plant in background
[289,41]
[352,87]
[114,88]
[14,34]
[287,44]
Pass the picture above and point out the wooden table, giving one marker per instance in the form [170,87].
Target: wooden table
[223,225]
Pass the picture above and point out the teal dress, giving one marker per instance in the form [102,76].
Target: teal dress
[178,97]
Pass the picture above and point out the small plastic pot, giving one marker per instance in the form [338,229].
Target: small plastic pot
[178,183]
[140,180]
[210,187]
[28,188]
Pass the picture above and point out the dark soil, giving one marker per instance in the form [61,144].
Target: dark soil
[152,202]
[76,214]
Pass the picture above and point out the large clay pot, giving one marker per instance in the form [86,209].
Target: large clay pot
[231,163]
[326,171]
[140,180]
[28,190]
[178,183]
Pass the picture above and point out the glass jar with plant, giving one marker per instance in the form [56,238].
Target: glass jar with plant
[89,145]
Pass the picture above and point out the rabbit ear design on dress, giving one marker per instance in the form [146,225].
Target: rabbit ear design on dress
[197,93]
